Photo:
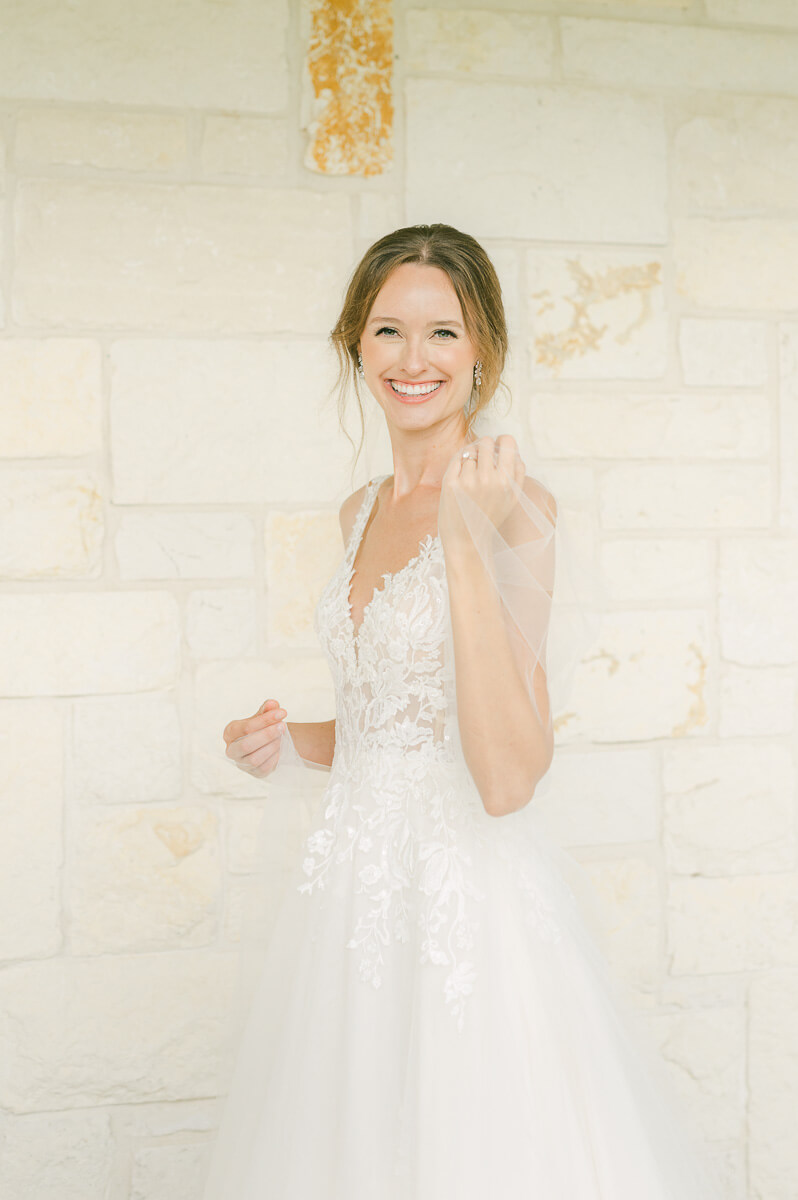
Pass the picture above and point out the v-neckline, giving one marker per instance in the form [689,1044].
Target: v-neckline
[424,546]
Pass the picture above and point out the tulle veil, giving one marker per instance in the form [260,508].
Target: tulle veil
[553,596]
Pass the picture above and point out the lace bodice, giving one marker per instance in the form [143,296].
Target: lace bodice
[388,674]
[401,808]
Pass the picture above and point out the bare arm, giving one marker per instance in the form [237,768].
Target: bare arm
[507,737]
[506,747]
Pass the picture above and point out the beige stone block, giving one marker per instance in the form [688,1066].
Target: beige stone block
[125,749]
[645,678]
[511,152]
[169,1170]
[378,213]
[650,55]
[629,891]
[755,702]
[596,315]
[704,1052]
[221,623]
[52,524]
[105,141]
[745,264]
[243,823]
[684,496]
[137,1122]
[743,923]
[753,12]
[757,600]
[179,257]
[636,569]
[773,1085]
[249,147]
[640,5]
[142,878]
[661,425]
[736,156]
[32,738]
[199,421]
[113,1029]
[730,1160]
[199,54]
[507,262]
[602,798]
[719,352]
[729,809]
[704,991]
[68,1155]
[185,545]
[233,689]
[303,550]
[51,397]
[480,43]
[68,643]
[788,426]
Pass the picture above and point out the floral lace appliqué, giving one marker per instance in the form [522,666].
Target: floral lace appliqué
[401,813]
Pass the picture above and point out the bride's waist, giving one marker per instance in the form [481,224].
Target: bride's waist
[374,756]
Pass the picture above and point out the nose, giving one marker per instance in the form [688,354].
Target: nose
[413,358]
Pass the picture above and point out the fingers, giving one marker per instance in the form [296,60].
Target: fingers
[507,456]
[245,737]
[263,761]
[479,454]
[265,754]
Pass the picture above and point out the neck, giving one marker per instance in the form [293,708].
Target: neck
[420,457]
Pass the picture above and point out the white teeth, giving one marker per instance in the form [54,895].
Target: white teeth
[405,389]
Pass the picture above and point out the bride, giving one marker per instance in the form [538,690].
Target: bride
[432,1019]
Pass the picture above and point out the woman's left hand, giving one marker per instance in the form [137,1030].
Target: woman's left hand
[486,477]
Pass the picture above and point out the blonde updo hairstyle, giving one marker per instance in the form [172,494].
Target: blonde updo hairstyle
[475,282]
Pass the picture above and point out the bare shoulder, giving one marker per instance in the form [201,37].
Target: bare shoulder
[349,510]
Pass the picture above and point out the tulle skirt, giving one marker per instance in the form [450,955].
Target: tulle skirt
[510,1068]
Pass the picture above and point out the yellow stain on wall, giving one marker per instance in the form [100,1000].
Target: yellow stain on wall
[591,290]
[350,61]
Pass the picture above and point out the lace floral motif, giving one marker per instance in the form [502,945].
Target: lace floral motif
[400,810]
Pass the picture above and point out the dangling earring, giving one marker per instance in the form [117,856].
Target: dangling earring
[478,373]
[360,370]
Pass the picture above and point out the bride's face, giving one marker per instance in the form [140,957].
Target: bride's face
[415,334]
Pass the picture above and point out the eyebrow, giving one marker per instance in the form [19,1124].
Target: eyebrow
[396,321]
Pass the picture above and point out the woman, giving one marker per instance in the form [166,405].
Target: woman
[433,1020]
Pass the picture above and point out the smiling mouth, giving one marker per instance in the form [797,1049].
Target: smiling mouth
[414,389]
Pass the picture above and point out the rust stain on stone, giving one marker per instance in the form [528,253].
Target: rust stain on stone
[613,664]
[350,60]
[561,722]
[179,840]
[590,288]
[697,713]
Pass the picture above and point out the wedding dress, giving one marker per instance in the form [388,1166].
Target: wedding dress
[433,1019]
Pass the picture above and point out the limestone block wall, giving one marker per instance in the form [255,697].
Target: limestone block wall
[184,191]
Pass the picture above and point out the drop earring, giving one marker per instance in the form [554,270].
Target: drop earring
[360,370]
[478,373]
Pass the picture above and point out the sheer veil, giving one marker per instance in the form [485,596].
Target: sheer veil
[542,563]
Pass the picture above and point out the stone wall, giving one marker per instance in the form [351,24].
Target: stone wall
[184,191]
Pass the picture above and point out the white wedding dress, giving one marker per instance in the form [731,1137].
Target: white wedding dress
[434,1020]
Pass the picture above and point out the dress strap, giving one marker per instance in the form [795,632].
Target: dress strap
[363,514]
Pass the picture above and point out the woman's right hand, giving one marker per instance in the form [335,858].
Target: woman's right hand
[254,742]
